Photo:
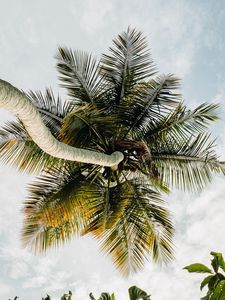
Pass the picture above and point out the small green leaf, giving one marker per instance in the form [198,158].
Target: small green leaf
[135,294]
[197,268]
[213,283]
[220,288]
[105,296]
[215,263]
[113,297]
[205,281]
[220,259]
[205,298]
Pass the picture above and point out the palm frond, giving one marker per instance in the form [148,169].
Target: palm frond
[129,62]
[60,193]
[58,199]
[52,109]
[149,103]
[143,229]
[17,149]
[107,210]
[39,237]
[182,123]
[79,73]
[87,127]
[52,211]
[188,164]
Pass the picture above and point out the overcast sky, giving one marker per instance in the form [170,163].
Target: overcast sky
[186,38]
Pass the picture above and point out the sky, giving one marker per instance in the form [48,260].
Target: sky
[186,38]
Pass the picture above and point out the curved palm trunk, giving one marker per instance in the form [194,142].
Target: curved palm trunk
[16,102]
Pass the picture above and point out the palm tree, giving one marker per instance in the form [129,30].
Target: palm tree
[105,157]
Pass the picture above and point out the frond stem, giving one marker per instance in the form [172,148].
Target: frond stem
[48,113]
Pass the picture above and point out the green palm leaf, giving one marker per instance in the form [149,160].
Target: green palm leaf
[52,109]
[187,164]
[50,105]
[60,193]
[39,237]
[17,149]
[129,62]
[87,127]
[108,209]
[144,229]
[59,200]
[149,103]
[181,123]
[130,219]
[79,74]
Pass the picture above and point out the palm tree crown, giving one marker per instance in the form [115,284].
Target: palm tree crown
[119,104]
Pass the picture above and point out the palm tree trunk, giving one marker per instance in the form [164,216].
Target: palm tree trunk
[17,102]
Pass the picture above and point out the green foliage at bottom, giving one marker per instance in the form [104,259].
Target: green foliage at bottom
[215,281]
[134,293]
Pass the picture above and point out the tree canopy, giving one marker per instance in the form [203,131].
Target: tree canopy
[120,105]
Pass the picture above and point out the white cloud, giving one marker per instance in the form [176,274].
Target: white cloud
[19,270]
[94,15]
[35,282]
[5,290]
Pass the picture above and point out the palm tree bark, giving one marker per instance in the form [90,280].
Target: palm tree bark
[18,103]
